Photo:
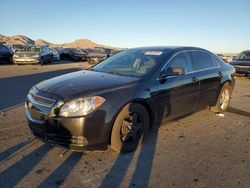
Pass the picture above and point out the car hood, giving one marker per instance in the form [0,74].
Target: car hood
[84,83]
[239,62]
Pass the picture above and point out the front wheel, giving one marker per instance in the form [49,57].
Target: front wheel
[130,127]
[223,99]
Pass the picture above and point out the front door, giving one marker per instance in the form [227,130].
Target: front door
[177,94]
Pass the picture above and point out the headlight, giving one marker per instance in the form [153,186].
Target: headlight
[36,56]
[15,55]
[81,107]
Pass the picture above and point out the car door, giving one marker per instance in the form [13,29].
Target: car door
[177,94]
[47,54]
[209,74]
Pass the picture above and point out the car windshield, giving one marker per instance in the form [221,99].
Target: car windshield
[30,49]
[131,63]
[243,56]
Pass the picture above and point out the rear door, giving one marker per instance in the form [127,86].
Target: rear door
[209,74]
[178,94]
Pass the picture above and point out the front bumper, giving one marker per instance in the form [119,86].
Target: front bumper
[26,60]
[242,69]
[77,133]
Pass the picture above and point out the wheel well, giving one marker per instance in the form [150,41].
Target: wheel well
[152,116]
[149,110]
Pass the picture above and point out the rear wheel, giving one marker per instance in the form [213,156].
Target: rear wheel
[130,128]
[51,60]
[223,99]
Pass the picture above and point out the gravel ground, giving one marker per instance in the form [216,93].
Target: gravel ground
[202,150]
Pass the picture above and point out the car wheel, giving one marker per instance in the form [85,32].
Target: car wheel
[130,128]
[51,59]
[223,99]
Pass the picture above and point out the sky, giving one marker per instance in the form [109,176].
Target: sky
[217,25]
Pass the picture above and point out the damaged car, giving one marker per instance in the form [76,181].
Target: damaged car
[118,101]
[95,55]
[73,54]
[31,54]
[242,63]
[5,54]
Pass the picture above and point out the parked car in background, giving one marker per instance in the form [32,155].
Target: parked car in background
[74,54]
[55,53]
[224,58]
[5,54]
[119,100]
[242,62]
[15,47]
[95,55]
[31,54]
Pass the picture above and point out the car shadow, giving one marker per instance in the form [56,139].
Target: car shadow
[8,152]
[238,112]
[60,174]
[16,172]
[14,89]
[144,162]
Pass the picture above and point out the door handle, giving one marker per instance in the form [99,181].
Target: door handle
[194,79]
[220,73]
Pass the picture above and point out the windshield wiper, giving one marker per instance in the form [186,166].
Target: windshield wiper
[115,73]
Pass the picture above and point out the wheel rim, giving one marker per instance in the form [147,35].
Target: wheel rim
[224,99]
[131,129]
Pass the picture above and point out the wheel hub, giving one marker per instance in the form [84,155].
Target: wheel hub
[131,128]
[224,99]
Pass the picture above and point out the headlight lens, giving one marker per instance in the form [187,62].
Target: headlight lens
[36,56]
[81,107]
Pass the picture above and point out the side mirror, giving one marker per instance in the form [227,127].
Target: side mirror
[172,71]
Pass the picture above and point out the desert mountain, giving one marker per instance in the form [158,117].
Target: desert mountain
[21,39]
[17,39]
[42,42]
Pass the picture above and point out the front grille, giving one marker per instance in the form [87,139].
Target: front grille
[38,106]
[37,115]
[42,100]
[25,55]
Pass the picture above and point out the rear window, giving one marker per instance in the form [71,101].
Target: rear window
[203,60]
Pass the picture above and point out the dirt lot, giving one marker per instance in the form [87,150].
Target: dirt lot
[202,150]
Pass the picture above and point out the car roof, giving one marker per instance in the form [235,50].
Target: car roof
[168,48]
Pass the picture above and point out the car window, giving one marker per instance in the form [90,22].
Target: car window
[203,60]
[180,60]
[243,56]
[131,62]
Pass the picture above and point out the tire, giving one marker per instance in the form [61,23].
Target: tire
[130,128]
[222,105]
[51,60]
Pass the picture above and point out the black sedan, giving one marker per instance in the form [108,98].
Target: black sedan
[122,98]
[242,63]
[5,54]
[72,54]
